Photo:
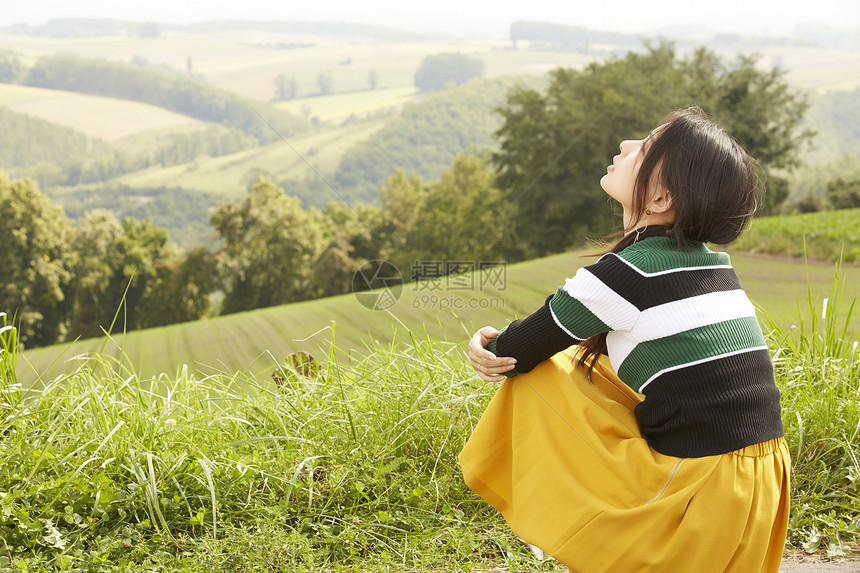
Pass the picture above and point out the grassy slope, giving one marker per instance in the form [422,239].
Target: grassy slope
[244,341]
[100,117]
[227,175]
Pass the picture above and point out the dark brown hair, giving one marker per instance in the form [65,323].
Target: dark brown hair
[712,183]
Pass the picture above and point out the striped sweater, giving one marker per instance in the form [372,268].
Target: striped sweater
[680,330]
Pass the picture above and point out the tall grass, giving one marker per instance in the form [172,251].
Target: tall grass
[333,465]
[343,463]
[817,365]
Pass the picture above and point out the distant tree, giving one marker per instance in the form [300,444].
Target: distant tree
[325,81]
[842,194]
[439,71]
[372,79]
[285,87]
[463,215]
[268,246]
[402,199]
[554,145]
[35,261]
[353,239]
[117,267]
[10,68]
[181,289]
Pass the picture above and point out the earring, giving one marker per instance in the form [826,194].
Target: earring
[648,211]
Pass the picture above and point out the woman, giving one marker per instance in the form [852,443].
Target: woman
[667,454]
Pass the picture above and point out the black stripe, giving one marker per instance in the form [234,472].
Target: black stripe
[712,408]
[533,339]
[646,292]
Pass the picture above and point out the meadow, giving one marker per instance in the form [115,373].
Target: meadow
[446,309]
[104,118]
[834,235]
[344,463]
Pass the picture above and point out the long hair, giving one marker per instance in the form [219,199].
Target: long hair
[712,183]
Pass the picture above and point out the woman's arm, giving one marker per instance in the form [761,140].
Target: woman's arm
[523,344]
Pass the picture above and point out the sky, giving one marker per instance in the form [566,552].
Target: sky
[484,18]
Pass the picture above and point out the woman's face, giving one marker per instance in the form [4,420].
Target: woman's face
[620,177]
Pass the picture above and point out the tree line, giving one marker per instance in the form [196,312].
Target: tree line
[173,91]
[533,193]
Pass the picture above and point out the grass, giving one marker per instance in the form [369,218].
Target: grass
[345,464]
[341,106]
[227,175]
[105,118]
[449,310]
[825,235]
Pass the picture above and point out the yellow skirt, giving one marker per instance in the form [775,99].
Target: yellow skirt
[564,462]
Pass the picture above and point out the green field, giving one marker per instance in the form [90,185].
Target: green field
[228,175]
[341,106]
[254,341]
[105,118]
[827,235]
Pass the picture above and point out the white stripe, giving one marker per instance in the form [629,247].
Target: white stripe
[619,345]
[612,309]
[693,312]
[702,361]
[666,272]
[561,326]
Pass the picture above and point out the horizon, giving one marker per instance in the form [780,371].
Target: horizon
[479,19]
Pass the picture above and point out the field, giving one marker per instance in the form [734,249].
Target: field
[832,235]
[348,464]
[229,174]
[105,118]
[341,106]
[449,310]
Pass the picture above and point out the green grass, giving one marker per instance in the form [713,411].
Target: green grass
[349,465]
[341,106]
[105,118]
[825,235]
[245,341]
[228,175]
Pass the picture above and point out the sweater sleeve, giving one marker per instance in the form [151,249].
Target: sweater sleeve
[531,340]
[584,306]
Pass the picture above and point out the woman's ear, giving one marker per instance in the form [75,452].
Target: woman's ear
[661,201]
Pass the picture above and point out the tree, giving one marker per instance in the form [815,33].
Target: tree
[269,244]
[10,68]
[325,81]
[180,289]
[439,71]
[117,266]
[842,194]
[555,145]
[402,199]
[285,88]
[372,79]
[463,215]
[35,262]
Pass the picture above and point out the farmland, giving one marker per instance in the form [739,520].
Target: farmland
[254,341]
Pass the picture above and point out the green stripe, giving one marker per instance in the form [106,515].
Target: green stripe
[574,315]
[656,254]
[689,346]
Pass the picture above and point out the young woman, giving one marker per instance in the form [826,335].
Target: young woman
[667,454]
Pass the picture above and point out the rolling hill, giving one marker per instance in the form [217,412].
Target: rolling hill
[450,309]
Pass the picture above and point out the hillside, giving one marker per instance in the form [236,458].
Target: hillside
[452,309]
[99,117]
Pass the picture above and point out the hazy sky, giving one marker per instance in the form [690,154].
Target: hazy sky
[485,17]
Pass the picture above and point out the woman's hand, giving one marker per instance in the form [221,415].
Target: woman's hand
[488,366]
